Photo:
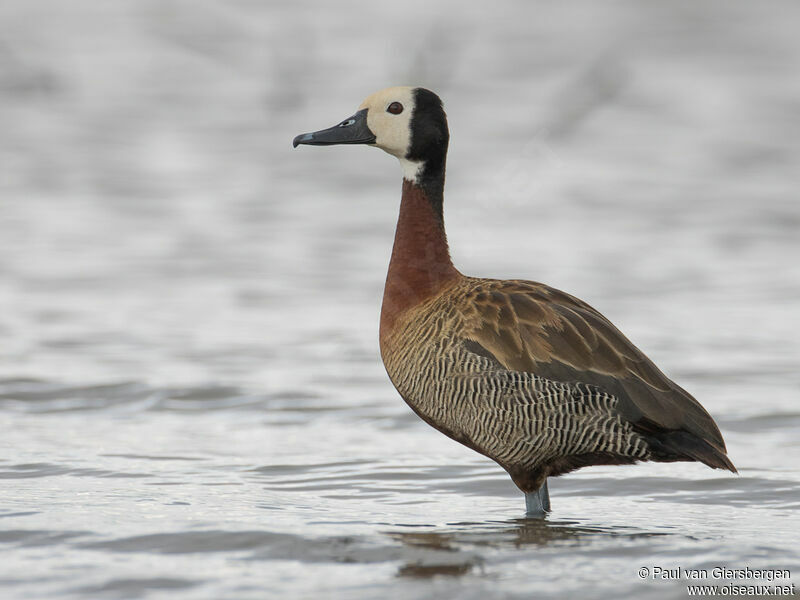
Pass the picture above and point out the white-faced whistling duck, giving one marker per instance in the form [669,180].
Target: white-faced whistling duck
[533,378]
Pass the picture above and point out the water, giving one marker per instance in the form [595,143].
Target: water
[192,403]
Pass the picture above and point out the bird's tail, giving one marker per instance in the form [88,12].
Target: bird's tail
[681,445]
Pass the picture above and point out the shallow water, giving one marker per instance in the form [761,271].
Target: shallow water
[192,404]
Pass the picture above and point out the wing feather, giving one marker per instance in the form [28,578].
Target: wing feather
[530,327]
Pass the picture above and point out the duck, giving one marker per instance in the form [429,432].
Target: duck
[528,375]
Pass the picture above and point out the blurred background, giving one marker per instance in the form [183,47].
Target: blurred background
[188,305]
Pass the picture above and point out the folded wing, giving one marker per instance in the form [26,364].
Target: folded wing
[530,327]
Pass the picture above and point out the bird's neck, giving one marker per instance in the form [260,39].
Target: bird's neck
[420,266]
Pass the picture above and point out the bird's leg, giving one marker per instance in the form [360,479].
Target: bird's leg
[537,504]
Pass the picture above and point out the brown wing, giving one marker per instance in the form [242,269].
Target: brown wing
[528,326]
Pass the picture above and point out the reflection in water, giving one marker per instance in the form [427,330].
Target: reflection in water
[423,571]
[456,551]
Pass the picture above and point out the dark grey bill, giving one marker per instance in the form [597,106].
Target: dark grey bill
[350,131]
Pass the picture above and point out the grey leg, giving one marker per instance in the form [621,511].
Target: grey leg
[537,504]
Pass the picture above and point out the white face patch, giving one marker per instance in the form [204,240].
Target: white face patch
[393,131]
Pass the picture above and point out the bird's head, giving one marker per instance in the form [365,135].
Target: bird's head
[406,122]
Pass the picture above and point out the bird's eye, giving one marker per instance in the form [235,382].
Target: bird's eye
[395,108]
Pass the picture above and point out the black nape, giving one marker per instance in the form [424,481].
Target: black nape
[429,139]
